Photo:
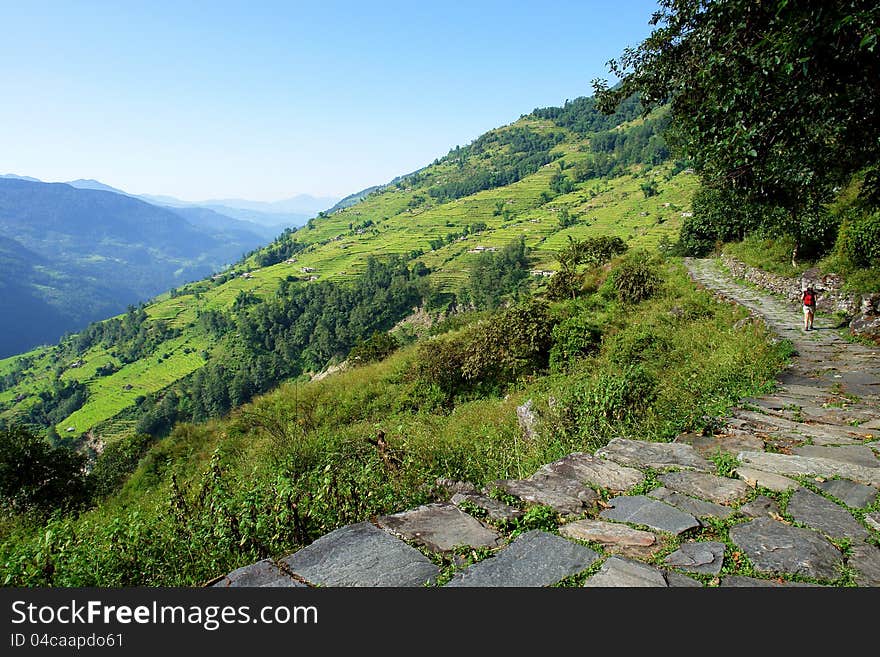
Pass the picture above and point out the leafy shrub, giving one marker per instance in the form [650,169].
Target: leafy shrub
[573,338]
[118,460]
[36,475]
[614,397]
[564,284]
[378,346]
[491,352]
[859,238]
[636,344]
[635,279]
[510,344]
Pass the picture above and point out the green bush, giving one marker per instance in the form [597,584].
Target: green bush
[636,344]
[635,279]
[118,460]
[490,353]
[36,475]
[573,338]
[859,239]
[378,346]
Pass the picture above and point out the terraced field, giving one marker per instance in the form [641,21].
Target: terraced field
[400,219]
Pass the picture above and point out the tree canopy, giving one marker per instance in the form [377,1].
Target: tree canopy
[776,101]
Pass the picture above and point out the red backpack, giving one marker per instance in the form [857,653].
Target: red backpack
[808,298]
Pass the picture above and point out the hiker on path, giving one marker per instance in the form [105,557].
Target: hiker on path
[809,299]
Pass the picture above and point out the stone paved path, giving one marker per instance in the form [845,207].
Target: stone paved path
[803,510]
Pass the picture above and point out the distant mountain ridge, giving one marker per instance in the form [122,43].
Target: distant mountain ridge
[71,256]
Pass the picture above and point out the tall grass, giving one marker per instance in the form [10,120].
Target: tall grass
[305,459]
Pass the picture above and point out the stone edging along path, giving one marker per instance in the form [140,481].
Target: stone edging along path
[815,440]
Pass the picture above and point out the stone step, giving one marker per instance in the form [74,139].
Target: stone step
[792,464]
[777,548]
[621,572]
[566,496]
[701,557]
[854,454]
[720,490]
[613,537]
[361,555]
[824,515]
[534,559]
[691,505]
[495,509]
[854,495]
[647,454]
[440,527]
[643,510]
[260,574]
[596,471]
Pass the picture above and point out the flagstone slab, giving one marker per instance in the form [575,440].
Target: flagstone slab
[820,513]
[865,560]
[495,509]
[759,507]
[825,433]
[361,555]
[648,454]
[565,495]
[703,557]
[596,471]
[775,547]
[792,464]
[614,537]
[534,559]
[695,507]
[720,490]
[849,492]
[855,454]
[769,480]
[642,510]
[440,527]
[260,574]
[873,520]
[622,572]
[732,443]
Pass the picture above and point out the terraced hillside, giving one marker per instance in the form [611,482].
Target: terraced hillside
[553,174]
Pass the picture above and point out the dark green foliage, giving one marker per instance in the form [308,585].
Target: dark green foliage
[617,397]
[637,344]
[54,404]
[496,275]
[649,188]
[860,238]
[564,284]
[36,475]
[302,327]
[281,249]
[775,101]
[490,353]
[635,279]
[592,251]
[583,116]
[116,462]
[522,152]
[573,338]
[378,346]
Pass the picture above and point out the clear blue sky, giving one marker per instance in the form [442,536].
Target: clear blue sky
[266,100]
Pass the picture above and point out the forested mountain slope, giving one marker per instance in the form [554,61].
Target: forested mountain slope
[302,302]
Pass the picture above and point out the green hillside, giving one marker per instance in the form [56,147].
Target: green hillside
[553,174]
